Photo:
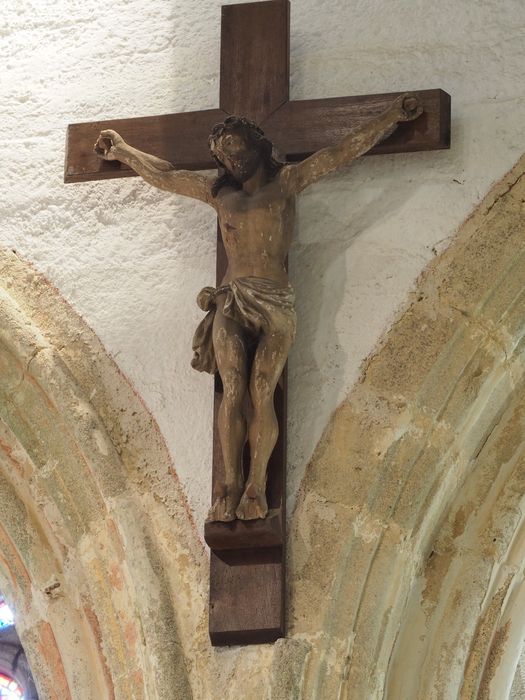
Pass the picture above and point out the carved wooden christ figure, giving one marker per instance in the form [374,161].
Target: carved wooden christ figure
[250,322]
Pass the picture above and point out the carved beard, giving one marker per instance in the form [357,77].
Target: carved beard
[244,166]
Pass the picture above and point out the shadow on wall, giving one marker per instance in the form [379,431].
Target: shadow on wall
[330,219]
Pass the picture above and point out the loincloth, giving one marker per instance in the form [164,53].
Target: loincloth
[257,304]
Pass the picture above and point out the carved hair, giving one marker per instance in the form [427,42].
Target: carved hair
[254,137]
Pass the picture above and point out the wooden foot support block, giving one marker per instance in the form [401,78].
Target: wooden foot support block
[247,596]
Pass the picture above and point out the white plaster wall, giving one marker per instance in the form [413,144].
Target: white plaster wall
[131,260]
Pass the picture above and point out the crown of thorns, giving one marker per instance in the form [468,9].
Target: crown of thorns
[253,133]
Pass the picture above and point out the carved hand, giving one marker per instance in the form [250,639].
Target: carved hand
[406,107]
[107,144]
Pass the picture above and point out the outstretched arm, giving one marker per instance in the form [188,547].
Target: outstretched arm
[296,177]
[157,172]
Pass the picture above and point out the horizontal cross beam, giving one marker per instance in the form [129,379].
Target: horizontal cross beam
[297,129]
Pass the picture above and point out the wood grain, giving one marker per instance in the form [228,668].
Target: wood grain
[255,54]
[297,129]
[300,128]
[246,596]
[181,139]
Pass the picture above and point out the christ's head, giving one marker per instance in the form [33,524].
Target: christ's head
[239,146]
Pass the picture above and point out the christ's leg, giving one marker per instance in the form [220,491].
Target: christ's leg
[270,358]
[230,352]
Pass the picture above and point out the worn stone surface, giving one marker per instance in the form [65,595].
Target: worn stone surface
[94,578]
[429,474]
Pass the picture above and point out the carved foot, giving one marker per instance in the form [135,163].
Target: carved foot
[253,504]
[224,505]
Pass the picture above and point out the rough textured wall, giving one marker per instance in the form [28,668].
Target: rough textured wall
[131,259]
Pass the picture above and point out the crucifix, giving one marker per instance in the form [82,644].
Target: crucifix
[246,534]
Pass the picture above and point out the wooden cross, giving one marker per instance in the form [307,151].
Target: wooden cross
[247,583]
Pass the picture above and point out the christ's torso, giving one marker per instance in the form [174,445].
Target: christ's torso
[257,231]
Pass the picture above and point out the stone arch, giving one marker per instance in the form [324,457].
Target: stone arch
[407,547]
[98,554]
[405,562]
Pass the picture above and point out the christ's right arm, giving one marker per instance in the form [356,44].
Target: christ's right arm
[157,172]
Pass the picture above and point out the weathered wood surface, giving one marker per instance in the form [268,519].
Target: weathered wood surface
[300,128]
[247,584]
[249,581]
[269,532]
[180,138]
[245,534]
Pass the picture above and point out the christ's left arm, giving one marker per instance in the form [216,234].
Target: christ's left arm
[295,178]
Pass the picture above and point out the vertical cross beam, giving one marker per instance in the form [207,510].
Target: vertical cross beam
[247,567]
[255,51]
